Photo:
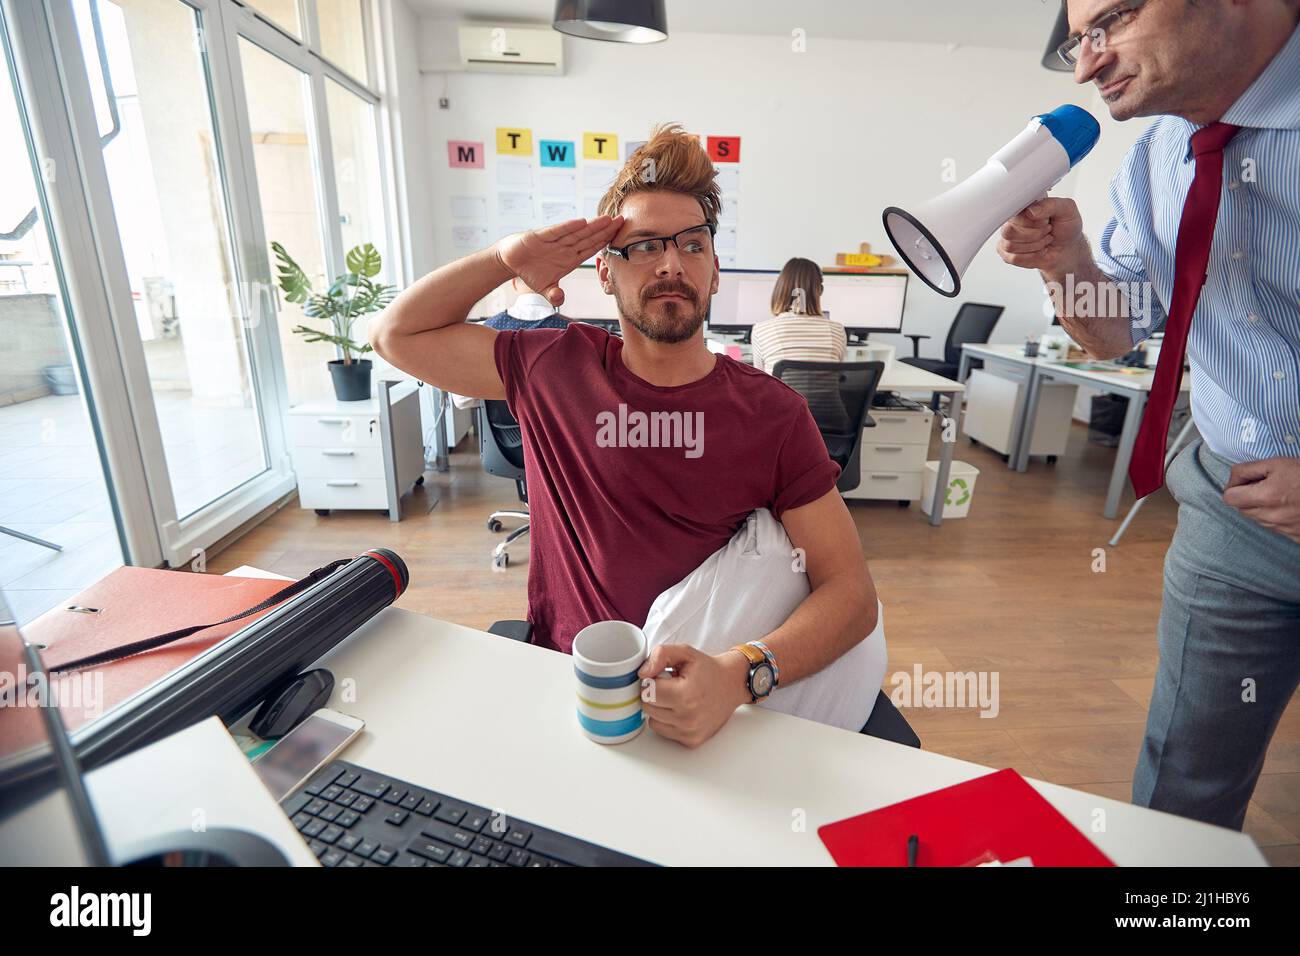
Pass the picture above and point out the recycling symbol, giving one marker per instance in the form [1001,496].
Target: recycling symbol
[965,492]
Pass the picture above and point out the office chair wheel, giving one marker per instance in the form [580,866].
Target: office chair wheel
[419,481]
[323,512]
[494,524]
[501,560]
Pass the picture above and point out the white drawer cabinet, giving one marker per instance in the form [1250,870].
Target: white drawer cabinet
[892,456]
[315,428]
[991,404]
[327,494]
[900,427]
[359,455]
[338,462]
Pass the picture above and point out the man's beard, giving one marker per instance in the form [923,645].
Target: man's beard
[678,321]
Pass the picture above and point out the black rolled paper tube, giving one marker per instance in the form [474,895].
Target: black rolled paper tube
[231,677]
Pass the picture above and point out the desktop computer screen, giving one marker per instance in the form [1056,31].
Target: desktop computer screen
[584,299]
[862,302]
[866,302]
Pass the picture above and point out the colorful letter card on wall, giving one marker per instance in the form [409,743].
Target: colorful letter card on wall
[724,149]
[462,154]
[600,146]
[514,142]
[558,152]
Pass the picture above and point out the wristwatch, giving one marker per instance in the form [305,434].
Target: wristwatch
[764,676]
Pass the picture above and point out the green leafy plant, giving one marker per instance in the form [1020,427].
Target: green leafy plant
[350,296]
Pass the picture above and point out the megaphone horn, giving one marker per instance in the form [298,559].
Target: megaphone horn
[939,238]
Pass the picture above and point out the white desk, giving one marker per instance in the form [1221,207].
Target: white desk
[491,720]
[1133,386]
[910,380]
[1008,360]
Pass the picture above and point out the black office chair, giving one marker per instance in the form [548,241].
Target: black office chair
[885,722]
[501,449]
[839,396]
[973,325]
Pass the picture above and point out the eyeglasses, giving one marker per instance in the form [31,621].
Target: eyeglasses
[694,242]
[1104,27]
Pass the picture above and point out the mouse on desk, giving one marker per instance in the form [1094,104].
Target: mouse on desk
[289,704]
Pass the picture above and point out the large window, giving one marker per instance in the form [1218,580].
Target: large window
[343,35]
[357,178]
[184,137]
[283,13]
[150,89]
[58,521]
[278,115]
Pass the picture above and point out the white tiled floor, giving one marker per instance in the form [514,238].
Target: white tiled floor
[52,487]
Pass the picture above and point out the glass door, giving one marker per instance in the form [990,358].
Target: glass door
[202,368]
[178,139]
[60,530]
[285,156]
[150,88]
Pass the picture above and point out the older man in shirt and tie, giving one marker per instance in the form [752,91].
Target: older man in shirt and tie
[1204,243]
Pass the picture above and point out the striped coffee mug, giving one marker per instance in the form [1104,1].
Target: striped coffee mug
[606,657]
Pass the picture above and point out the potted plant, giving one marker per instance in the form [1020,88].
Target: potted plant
[351,296]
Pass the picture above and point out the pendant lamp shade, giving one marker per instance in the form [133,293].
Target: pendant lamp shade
[623,21]
[1051,59]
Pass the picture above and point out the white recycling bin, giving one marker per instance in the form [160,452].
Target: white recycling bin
[961,488]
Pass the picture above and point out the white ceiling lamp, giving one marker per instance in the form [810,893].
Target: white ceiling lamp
[622,21]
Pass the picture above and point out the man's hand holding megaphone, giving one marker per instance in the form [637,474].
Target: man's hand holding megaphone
[1047,235]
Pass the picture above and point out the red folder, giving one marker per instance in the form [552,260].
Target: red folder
[999,814]
[133,604]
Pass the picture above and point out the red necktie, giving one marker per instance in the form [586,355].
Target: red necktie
[1191,259]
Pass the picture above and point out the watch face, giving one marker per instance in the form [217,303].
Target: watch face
[761,683]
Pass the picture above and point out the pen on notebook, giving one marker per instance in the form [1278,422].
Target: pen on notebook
[912,842]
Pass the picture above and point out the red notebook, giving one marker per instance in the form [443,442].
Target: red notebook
[999,814]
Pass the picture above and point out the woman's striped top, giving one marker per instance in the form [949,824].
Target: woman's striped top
[806,338]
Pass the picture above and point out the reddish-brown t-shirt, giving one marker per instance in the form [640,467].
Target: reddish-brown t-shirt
[627,501]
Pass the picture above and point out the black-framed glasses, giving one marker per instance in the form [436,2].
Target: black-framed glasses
[692,242]
[1101,29]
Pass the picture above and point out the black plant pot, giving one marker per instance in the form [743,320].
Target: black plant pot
[351,381]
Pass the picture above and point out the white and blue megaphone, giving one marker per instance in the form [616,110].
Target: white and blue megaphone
[941,237]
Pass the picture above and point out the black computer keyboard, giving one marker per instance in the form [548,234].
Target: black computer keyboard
[892,400]
[350,816]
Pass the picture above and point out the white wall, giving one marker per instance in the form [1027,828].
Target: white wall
[830,137]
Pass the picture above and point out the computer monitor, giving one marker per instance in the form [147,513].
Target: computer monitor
[744,297]
[585,300]
[861,302]
[46,818]
[865,302]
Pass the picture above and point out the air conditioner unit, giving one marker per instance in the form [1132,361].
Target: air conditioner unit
[511,49]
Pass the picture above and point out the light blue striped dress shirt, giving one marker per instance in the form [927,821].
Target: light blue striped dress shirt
[1244,345]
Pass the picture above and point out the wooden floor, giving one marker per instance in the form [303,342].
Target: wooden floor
[1009,589]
